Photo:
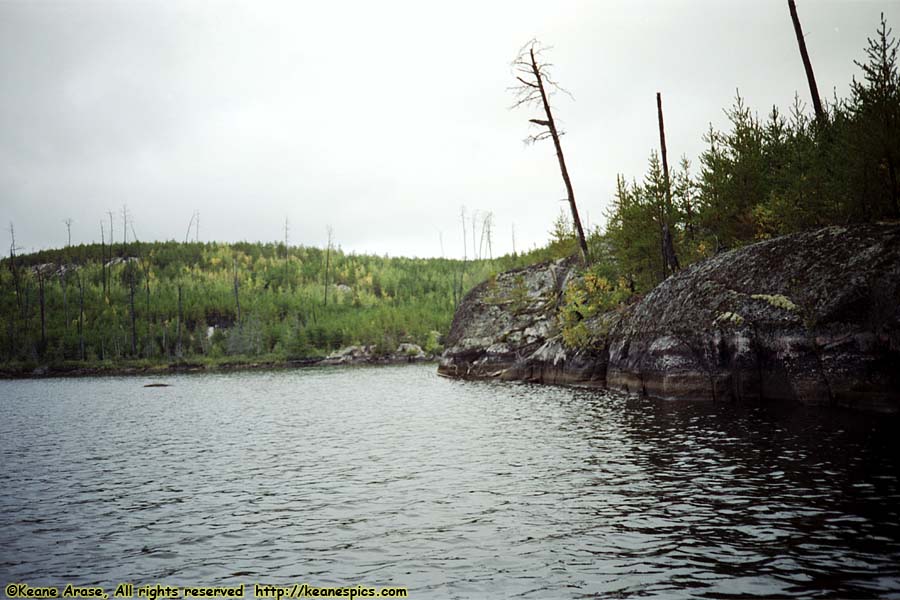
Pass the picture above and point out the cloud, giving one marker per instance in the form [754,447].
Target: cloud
[380,119]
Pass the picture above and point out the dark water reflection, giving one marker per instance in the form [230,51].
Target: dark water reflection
[393,476]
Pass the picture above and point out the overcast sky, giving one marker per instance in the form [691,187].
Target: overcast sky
[379,119]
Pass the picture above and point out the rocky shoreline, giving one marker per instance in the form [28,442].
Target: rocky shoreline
[351,355]
[812,317]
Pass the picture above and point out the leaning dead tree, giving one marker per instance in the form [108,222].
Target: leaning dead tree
[670,260]
[810,77]
[535,87]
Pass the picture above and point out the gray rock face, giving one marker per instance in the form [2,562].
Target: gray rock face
[350,355]
[812,317]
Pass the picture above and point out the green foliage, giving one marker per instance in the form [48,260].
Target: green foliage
[563,241]
[595,291]
[760,179]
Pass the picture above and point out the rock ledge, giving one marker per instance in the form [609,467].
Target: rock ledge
[813,317]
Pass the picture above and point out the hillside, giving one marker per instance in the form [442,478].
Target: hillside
[168,302]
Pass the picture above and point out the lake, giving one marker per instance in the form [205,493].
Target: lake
[393,476]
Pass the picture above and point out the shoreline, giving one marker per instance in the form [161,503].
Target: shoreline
[61,371]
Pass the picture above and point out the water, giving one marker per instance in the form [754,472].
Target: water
[395,477]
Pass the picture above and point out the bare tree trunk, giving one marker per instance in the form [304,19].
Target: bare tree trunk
[481,237]
[810,76]
[190,224]
[474,229]
[551,124]
[670,260]
[124,231]
[462,270]
[111,238]
[14,269]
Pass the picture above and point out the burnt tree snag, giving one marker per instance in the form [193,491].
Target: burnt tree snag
[534,78]
[670,260]
[810,76]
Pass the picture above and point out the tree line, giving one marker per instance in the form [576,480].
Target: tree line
[172,301]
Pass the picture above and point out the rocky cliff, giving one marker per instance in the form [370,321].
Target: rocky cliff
[812,317]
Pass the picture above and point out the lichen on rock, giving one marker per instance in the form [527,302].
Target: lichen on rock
[729,318]
[778,301]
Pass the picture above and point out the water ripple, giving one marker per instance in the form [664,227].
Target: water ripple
[393,476]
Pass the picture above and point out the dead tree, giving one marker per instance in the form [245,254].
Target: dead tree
[462,218]
[14,268]
[486,225]
[475,255]
[462,270]
[534,80]
[190,224]
[124,231]
[670,260]
[68,223]
[810,76]
[17,286]
[111,238]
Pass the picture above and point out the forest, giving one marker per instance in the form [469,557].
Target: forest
[158,302]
